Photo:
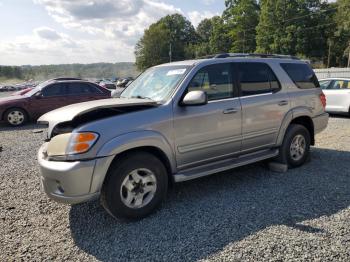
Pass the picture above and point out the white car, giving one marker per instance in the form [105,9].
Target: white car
[337,91]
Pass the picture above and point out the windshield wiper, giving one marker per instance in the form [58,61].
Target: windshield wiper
[142,97]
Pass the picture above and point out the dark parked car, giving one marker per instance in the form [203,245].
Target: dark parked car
[47,96]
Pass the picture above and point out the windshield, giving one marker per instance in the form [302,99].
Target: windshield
[36,89]
[157,83]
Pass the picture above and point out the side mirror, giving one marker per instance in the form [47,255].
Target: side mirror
[38,95]
[195,98]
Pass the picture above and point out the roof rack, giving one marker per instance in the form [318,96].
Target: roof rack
[227,55]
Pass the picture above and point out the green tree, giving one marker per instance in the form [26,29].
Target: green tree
[341,42]
[295,27]
[241,17]
[204,32]
[220,40]
[168,38]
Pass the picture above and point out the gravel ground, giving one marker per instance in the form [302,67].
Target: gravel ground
[247,214]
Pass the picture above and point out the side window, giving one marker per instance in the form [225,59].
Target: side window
[275,84]
[254,78]
[94,90]
[336,84]
[54,90]
[340,84]
[346,85]
[302,75]
[325,84]
[215,80]
[79,89]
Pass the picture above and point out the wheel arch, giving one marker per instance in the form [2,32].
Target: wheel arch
[307,122]
[144,141]
[301,116]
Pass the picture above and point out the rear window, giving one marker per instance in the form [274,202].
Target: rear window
[302,75]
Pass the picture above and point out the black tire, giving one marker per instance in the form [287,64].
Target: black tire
[285,155]
[120,169]
[20,121]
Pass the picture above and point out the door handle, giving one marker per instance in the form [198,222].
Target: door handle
[230,111]
[283,103]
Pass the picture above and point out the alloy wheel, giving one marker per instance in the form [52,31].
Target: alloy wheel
[138,188]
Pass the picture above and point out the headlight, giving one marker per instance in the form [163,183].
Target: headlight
[81,142]
[71,143]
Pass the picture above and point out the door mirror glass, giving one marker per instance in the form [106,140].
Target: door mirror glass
[38,95]
[195,98]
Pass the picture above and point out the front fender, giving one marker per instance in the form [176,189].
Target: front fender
[126,142]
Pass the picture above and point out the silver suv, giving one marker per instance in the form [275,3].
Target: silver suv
[177,122]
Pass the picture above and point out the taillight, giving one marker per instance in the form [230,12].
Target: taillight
[323,100]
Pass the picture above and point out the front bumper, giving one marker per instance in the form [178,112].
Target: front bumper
[320,122]
[66,182]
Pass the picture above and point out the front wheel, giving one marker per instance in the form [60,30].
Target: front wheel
[135,186]
[295,148]
[15,116]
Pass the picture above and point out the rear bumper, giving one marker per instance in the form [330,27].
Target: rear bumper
[320,122]
[67,182]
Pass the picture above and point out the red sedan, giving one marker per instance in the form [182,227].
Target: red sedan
[49,95]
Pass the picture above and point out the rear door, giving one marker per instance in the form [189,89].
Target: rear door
[264,105]
[338,96]
[82,92]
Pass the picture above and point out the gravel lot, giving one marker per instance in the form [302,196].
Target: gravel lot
[247,214]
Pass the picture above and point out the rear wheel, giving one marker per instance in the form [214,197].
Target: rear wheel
[295,148]
[15,116]
[135,186]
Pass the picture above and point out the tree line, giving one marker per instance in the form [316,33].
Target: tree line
[44,72]
[311,29]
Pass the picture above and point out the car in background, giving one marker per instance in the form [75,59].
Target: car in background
[47,96]
[7,88]
[337,91]
[123,82]
[107,84]
[117,92]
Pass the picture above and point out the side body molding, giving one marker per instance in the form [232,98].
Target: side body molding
[292,114]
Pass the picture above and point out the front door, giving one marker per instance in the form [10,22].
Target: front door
[209,132]
[51,97]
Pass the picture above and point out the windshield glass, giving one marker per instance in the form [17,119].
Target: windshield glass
[36,89]
[157,83]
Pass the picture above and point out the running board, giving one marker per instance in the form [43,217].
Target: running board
[223,165]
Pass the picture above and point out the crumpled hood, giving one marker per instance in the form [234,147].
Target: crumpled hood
[68,113]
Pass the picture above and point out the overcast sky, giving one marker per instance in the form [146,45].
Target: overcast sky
[85,31]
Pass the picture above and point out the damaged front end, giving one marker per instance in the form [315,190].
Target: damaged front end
[66,119]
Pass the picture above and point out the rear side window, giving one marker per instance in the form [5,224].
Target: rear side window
[256,78]
[302,75]
[81,89]
[215,80]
